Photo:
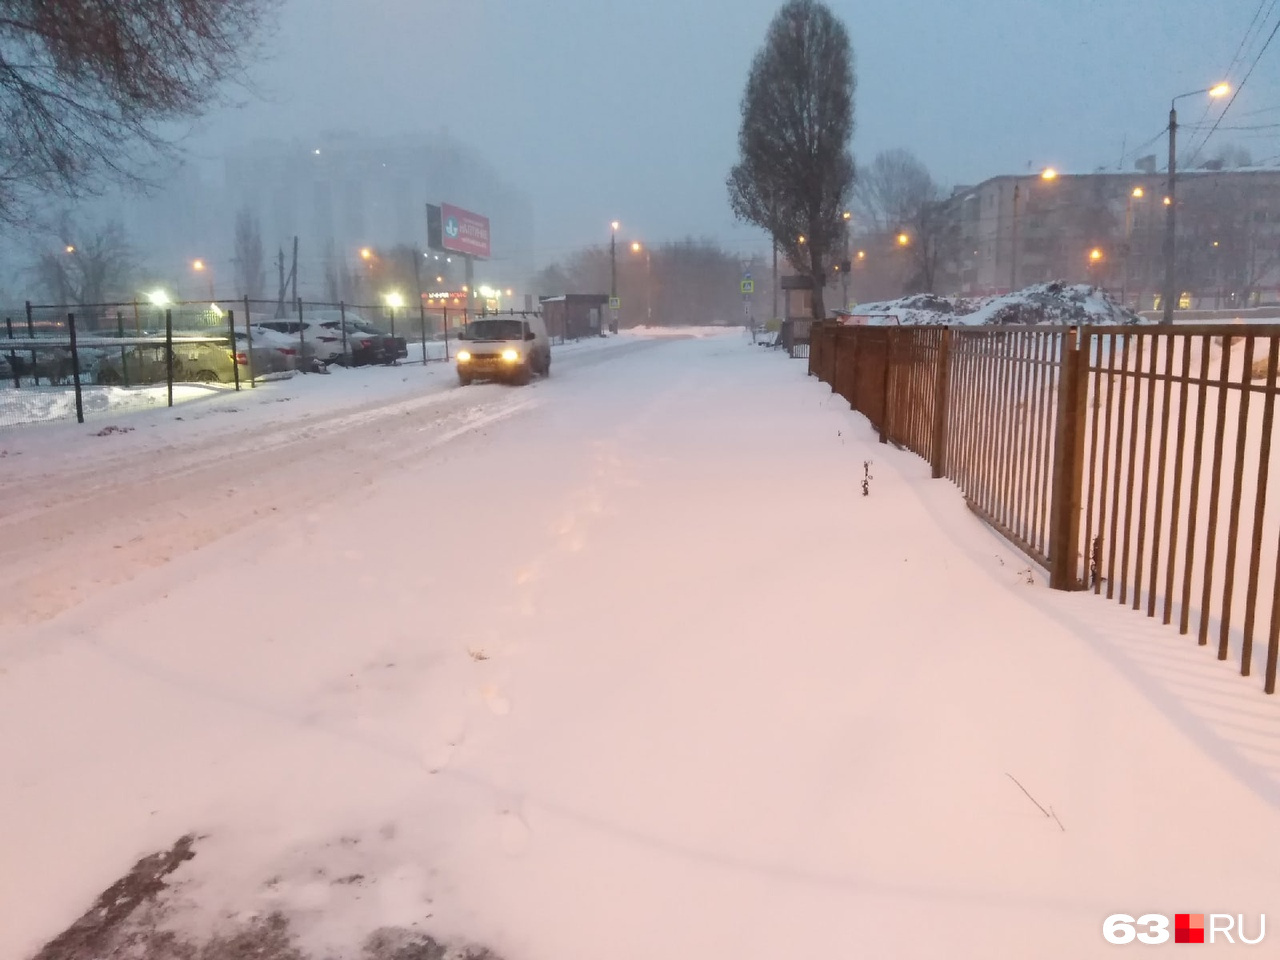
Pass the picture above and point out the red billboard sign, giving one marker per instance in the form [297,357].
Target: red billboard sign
[464,232]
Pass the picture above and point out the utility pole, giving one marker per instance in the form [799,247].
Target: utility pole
[1170,222]
[1013,246]
[613,276]
[294,270]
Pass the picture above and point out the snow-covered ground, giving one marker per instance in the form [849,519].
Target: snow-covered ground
[39,406]
[621,664]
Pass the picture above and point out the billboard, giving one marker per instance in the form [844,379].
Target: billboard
[457,231]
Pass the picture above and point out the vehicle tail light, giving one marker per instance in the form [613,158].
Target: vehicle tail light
[366,343]
[241,358]
[287,351]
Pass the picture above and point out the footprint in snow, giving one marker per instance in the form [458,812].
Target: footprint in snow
[513,833]
[495,701]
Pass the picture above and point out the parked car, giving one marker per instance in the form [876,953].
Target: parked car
[315,341]
[506,348]
[192,362]
[363,343]
[270,353]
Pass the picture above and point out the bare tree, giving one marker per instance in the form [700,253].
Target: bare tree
[891,191]
[250,261]
[88,267]
[86,86]
[795,172]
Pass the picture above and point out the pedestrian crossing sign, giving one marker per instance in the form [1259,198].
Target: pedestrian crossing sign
[748,287]
[615,303]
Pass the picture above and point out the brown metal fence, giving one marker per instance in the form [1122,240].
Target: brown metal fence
[1134,461]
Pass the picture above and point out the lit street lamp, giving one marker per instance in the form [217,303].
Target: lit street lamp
[638,247]
[1170,232]
[1136,194]
[1048,175]
[158,298]
[613,275]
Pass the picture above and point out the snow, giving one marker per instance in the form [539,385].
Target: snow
[1041,303]
[45,404]
[620,664]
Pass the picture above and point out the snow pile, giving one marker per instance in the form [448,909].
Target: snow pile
[1041,303]
[679,331]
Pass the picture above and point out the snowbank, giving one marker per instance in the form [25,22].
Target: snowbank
[1042,303]
[677,331]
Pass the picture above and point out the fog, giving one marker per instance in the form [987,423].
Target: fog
[592,110]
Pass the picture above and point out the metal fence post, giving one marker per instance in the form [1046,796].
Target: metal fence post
[342,313]
[235,358]
[248,343]
[941,401]
[31,332]
[75,367]
[13,357]
[445,323]
[302,337]
[1068,465]
[422,316]
[168,352]
[124,353]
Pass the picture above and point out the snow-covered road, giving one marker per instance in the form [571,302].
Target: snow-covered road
[622,664]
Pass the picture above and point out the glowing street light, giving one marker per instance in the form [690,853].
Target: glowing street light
[394,300]
[903,240]
[615,226]
[847,215]
[439,279]
[71,248]
[197,266]
[1048,173]
[636,247]
[1095,255]
[366,253]
[158,298]
[1138,193]
[1171,208]
[862,254]
[801,239]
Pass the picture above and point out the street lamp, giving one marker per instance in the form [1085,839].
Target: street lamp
[1170,228]
[394,300]
[366,253]
[1048,175]
[638,247]
[903,240]
[71,248]
[1137,193]
[199,266]
[158,298]
[613,275]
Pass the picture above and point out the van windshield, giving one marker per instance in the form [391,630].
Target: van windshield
[496,330]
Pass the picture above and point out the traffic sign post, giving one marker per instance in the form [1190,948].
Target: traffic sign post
[748,287]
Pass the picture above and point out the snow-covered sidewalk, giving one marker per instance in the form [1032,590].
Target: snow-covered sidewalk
[624,665]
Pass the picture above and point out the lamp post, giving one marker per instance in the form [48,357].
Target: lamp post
[613,275]
[1137,193]
[199,266]
[847,264]
[1048,175]
[1170,295]
[638,247]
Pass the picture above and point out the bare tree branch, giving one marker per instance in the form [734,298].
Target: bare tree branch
[86,86]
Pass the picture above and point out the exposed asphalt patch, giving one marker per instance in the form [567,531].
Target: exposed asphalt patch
[127,923]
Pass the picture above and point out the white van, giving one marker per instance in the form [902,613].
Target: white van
[504,348]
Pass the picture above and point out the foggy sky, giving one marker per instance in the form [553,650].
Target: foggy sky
[603,110]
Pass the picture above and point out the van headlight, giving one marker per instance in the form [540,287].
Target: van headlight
[511,356]
[464,356]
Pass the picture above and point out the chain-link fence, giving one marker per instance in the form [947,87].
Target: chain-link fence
[62,363]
